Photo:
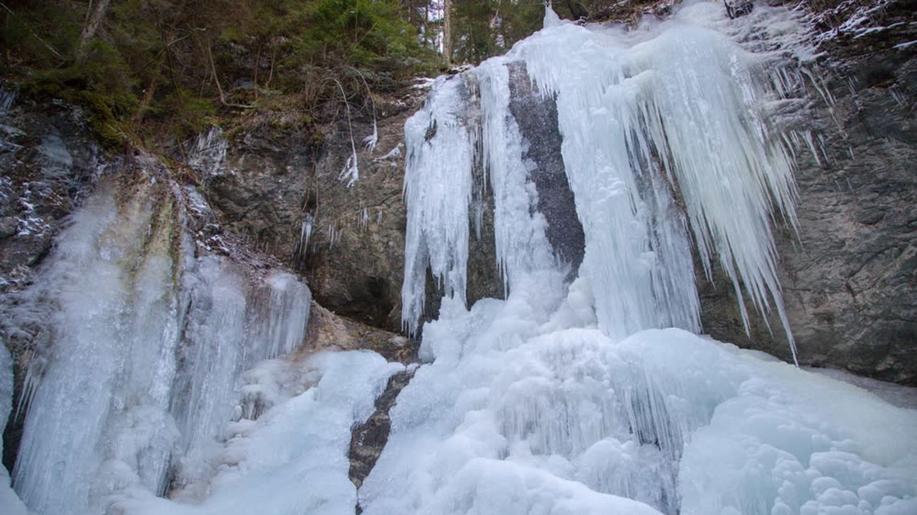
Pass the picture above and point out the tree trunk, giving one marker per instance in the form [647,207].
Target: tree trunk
[447,31]
[89,30]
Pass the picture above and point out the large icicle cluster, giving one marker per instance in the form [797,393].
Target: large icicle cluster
[438,185]
[672,115]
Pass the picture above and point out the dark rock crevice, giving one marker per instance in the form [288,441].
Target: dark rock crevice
[536,117]
[368,439]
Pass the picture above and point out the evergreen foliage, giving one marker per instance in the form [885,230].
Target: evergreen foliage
[174,64]
[484,28]
[167,68]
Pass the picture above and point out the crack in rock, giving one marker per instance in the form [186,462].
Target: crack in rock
[368,439]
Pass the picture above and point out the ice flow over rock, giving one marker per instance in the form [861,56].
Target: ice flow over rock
[168,381]
[144,338]
[596,396]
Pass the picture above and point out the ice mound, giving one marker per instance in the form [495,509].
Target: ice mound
[509,419]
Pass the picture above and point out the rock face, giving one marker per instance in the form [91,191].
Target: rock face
[256,179]
[281,186]
[850,278]
[328,331]
[355,254]
[47,158]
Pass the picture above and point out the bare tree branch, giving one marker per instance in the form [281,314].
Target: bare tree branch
[216,79]
[34,35]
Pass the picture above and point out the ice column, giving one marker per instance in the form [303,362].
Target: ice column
[437,188]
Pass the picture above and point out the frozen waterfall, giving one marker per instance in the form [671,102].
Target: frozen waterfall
[167,373]
[596,396]
[664,129]
[144,342]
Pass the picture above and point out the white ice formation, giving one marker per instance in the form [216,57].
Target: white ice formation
[144,339]
[595,397]
[168,381]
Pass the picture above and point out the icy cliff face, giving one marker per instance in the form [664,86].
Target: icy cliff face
[168,379]
[146,337]
[567,397]
[676,112]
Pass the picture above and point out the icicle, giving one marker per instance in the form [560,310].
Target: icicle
[208,155]
[119,319]
[684,102]
[350,173]
[521,245]
[370,142]
[438,182]
[551,19]
[7,98]
[305,233]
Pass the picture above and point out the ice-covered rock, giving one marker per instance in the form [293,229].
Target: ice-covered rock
[145,336]
[584,391]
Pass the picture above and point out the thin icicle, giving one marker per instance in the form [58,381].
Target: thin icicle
[350,172]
